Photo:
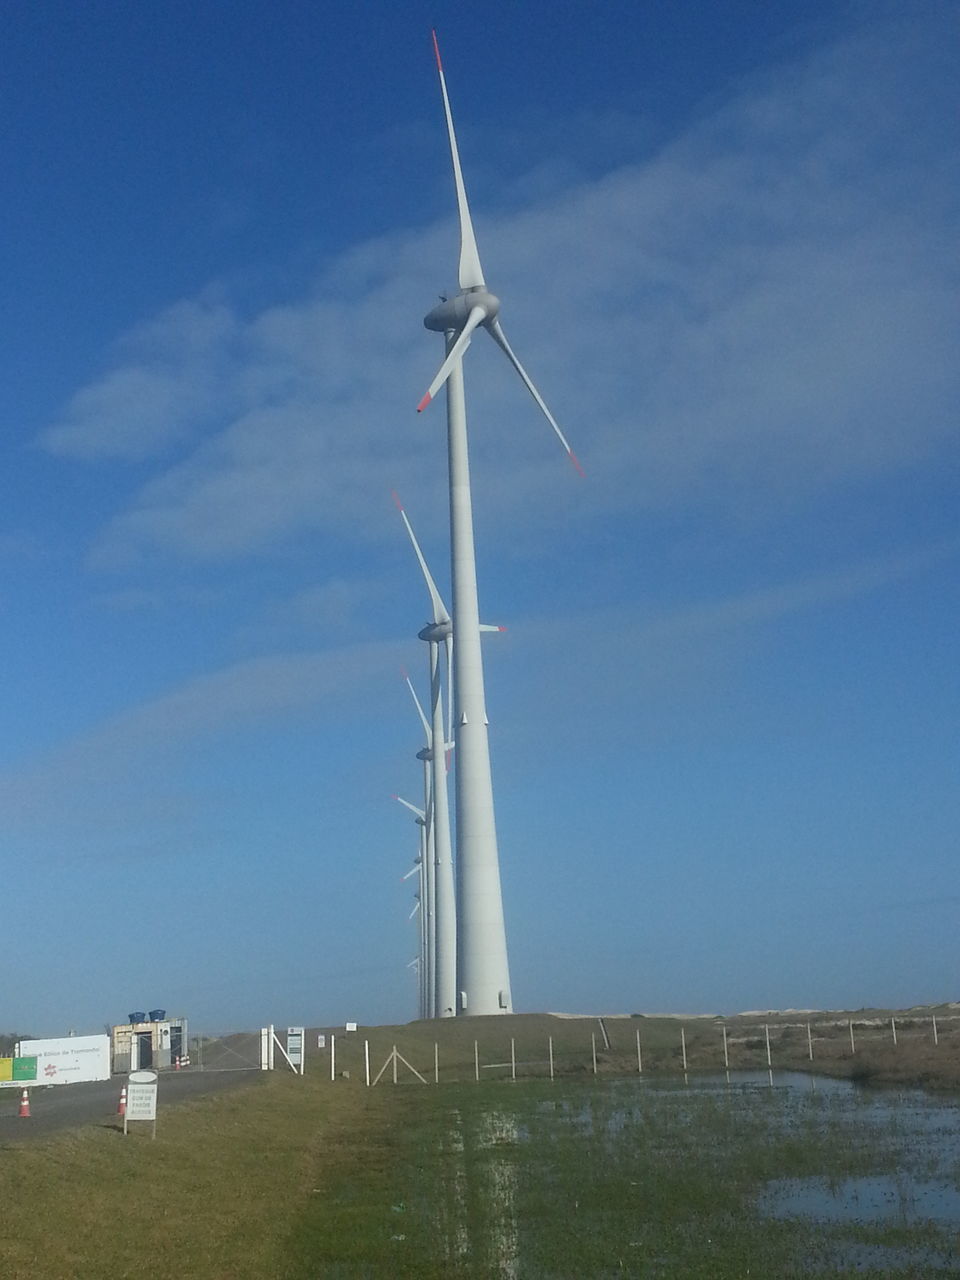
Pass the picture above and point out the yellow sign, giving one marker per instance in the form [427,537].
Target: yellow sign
[18,1070]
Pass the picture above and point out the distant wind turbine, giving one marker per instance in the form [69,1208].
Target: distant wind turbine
[427,936]
[482,963]
[439,632]
[418,870]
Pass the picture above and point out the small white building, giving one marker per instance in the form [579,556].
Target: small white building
[149,1041]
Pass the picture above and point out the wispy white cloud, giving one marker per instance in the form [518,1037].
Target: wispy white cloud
[118,779]
[104,779]
[172,374]
[334,607]
[763,309]
[670,654]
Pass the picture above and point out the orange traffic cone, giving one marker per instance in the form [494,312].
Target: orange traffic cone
[122,1104]
[24,1104]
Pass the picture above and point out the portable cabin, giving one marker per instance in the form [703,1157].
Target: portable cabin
[149,1041]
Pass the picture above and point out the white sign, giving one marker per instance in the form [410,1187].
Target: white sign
[350,1026]
[141,1098]
[295,1046]
[142,1095]
[321,1041]
[70,1059]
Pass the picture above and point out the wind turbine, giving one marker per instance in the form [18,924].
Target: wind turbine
[428,938]
[418,871]
[436,633]
[482,965]
[434,757]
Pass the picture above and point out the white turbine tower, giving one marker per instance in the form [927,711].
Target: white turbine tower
[427,936]
[436,633]
[418,961]
[434,757]
[482,964]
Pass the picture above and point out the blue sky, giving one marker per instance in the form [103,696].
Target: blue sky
[724,713]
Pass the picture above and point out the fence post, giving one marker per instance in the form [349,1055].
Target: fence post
[809,1043]
[936,1038]
[476,1062]
[766,1033]
[513,1058]
[593,1043]
[394,1064]
[550,1050]
[683,1049]
[333,1057]
[726,1055]
[893,1028]
[436,1063]
[639,1057]
[366,1061]
[853,1047]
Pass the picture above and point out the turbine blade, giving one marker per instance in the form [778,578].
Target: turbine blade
[412,807]
[487,626]
[416,908]
[471,273]
[499,337]
[477,316]
[416,702]
[440,613]
[414,870]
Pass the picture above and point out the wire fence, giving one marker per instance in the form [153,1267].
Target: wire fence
[622,1046]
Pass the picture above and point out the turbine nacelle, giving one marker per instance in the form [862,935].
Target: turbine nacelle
[436,632]
[452,314]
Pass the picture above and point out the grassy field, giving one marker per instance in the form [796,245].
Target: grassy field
[914,1059]
[301,1178]
[584,1176]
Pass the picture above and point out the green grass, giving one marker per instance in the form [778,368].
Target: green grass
[593,1179]
[914,1060]
[583,1177]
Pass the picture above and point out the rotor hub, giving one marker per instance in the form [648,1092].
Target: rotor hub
[452,313]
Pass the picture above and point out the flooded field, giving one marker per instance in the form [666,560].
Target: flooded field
[748,1175]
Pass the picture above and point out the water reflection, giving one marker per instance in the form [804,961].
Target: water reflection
[796,1081]
[477,1174]
[499,1130]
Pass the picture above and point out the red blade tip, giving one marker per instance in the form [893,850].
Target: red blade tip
[396,498]
[436,50]
[424,402]
[576,462]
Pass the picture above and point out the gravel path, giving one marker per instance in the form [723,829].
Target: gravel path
[72,1106]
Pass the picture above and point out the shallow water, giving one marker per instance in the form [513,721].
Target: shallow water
[898,1199]
[797,1081]
[855,1178]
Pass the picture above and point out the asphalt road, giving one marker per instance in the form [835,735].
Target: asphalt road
[73,1106]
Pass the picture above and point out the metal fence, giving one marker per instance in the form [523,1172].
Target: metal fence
[620,1046]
